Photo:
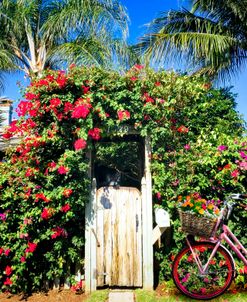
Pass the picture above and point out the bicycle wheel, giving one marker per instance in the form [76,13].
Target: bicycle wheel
[208,285]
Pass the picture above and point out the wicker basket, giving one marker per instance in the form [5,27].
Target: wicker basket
[197,226]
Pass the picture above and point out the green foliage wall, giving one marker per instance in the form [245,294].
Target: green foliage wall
[197,146]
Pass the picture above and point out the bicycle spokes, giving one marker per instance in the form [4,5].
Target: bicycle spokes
[199,274]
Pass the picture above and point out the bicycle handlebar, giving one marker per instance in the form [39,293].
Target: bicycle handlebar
[238,196]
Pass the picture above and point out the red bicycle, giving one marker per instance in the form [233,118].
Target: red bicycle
[205,269]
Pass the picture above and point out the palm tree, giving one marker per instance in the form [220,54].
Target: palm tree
[211,37]
[37,34]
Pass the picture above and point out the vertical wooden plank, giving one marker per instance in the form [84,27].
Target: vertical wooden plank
[138,245]
[107,252]
[147,221]
[123,233]
[100,238]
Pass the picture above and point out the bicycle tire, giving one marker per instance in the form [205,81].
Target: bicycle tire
[214,282]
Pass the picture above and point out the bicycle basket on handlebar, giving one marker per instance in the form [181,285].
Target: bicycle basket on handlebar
[197,226]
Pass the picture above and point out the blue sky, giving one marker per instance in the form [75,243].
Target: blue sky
[142,12]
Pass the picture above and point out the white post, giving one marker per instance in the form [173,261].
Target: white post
[90,241]
[147,218]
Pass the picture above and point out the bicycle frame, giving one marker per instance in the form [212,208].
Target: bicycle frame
[226,236]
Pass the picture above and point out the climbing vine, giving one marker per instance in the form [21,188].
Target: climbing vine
[197,146]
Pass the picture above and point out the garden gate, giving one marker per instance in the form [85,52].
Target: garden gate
[119,224]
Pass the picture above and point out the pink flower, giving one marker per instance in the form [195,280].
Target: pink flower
[63,170]
[3,216]
[80,144]
[243,155]
[94,133]
[187,147]
[222,148]
[185,279]
[243,165]
[203,290]
[80,111]
[235,173]
[158,195]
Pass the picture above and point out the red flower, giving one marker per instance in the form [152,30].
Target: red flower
[85,89]
[138,67]
[227,166]
[94,133]
[158,195]
[183,129]
[23,108]
[61,80]
[6,252]
[147,98]
[63,170]
[67,192]
[80,144]
[41,196]
[133,79]
[47,213]
[65,208]
[8,281]
[31,96]
[123,114]
[52,164]
[235,173]
[57,232]
[7,135]
[29,172]
[31,247]
[1,250]
[55,102]
[68,107]
[23,259]
[80,111]
[157,83]
[8,270]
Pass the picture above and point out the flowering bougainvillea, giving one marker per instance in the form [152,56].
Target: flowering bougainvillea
[196,147]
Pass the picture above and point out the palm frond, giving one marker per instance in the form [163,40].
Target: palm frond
[201,41]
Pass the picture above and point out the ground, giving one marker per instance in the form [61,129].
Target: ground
[51,296]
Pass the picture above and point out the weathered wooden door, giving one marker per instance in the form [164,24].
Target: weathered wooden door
[119,237]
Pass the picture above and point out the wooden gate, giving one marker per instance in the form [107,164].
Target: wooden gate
[118,234]
[119,237]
